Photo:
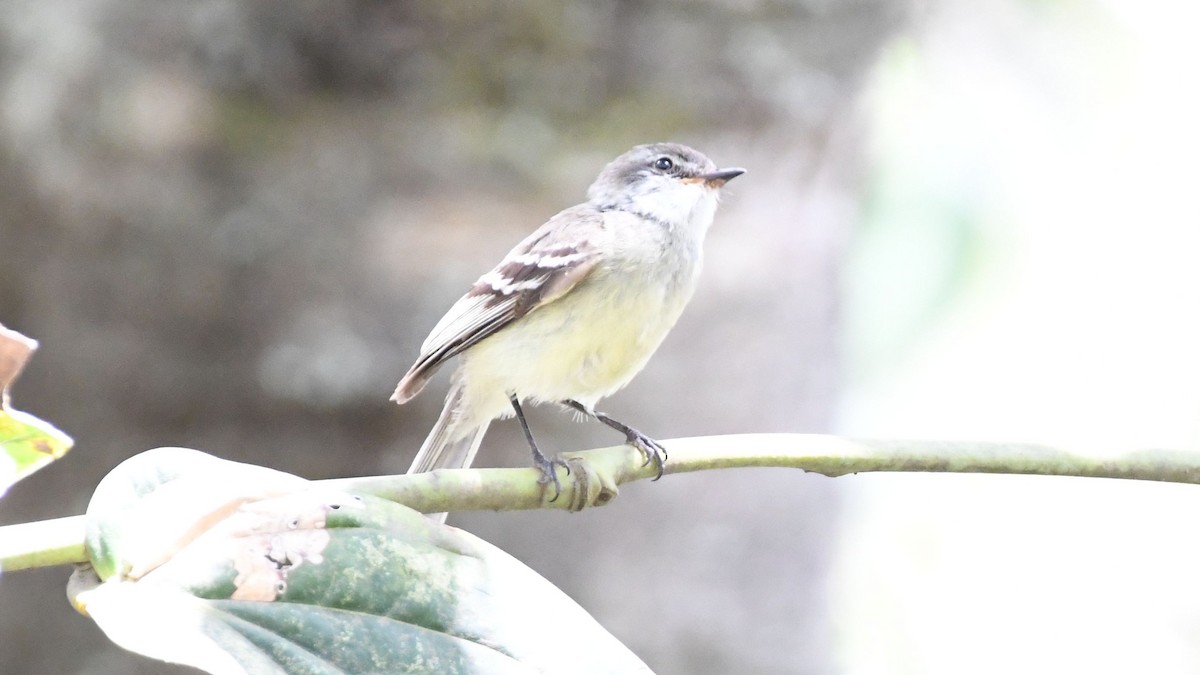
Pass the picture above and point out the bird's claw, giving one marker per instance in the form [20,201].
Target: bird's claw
[549,473]
[652,449]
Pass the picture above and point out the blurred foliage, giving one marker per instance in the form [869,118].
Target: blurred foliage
[26,442]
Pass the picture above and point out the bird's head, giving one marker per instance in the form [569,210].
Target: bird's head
[666,182]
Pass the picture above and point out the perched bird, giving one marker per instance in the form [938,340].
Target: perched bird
[575,311]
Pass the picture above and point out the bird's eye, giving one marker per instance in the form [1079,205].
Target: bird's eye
[664,164]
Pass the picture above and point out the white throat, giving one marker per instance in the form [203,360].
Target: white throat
[684,205]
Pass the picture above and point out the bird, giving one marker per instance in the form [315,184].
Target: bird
[576,309]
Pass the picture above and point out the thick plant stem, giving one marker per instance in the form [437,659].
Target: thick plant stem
[602,470]
[596,474]
[42,544]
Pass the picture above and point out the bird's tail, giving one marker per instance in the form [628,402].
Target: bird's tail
[449,445]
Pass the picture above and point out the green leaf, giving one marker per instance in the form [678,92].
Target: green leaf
[235,568]
[26,442]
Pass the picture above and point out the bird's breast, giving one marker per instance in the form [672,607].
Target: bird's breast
[589,343]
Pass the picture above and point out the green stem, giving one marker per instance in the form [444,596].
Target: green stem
[836,456]
[42,544]
[596,474]
[607,468]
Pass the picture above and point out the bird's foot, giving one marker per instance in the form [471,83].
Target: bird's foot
[652,449]
[549,469]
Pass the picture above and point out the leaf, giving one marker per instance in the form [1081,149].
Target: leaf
[26,442]
[235,568]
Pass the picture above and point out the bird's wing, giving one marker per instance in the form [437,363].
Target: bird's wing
[541,269]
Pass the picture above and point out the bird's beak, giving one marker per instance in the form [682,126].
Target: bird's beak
[717,178]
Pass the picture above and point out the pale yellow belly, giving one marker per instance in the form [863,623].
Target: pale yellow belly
[584,347]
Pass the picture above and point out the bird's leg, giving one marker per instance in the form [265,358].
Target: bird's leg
[652,449]
[542,462]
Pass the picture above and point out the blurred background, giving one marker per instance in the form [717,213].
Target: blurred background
[231,224]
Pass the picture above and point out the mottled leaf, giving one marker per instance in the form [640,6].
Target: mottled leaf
[234,568]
